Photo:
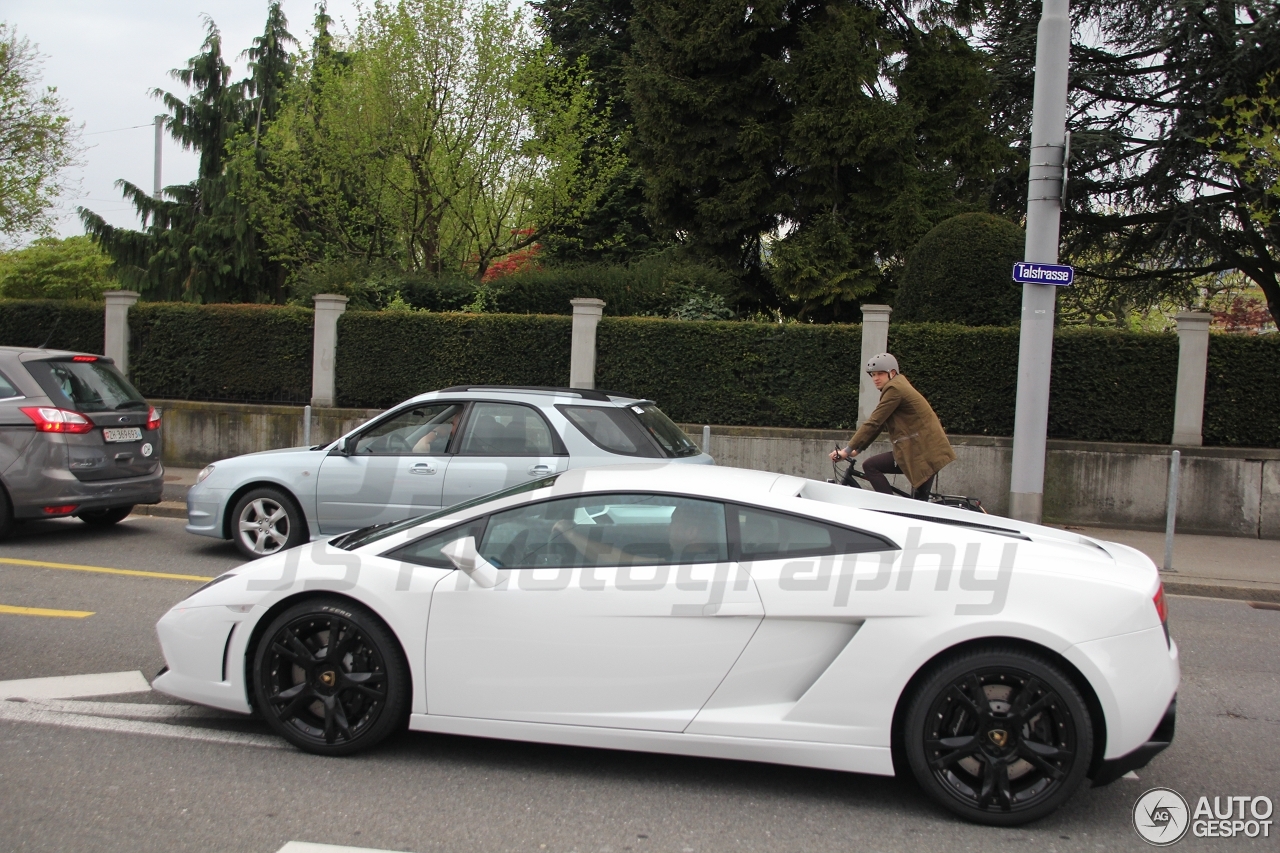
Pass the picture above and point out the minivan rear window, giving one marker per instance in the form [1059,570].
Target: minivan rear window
[86,386]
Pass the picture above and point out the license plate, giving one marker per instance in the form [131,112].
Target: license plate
[122,434]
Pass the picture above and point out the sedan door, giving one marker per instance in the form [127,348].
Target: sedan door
[502,445]
[396,469]
[621,611]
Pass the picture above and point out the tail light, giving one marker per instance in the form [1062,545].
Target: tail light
[49,419]
[153,418]
[84,358]
[1162,610]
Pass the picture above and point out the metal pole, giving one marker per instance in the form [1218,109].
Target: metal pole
[1171,510]
[159,150]
[706,439]
[1044,207]
[306,425]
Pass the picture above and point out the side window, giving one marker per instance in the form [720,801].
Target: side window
[607,530]
[422,429]
[505,429]
[612,429]
[763,535]
[7,390]
[426,551]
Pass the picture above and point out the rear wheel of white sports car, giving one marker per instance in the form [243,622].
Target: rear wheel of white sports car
[999,736]
[330,677]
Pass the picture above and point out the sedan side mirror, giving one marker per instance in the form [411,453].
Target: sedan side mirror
[465,556]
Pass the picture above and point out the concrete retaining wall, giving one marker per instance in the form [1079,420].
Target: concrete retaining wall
[1226,491]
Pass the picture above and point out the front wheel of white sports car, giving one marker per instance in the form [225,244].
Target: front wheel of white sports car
[330,678]
[998,735]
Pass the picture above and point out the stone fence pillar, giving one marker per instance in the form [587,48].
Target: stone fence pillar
[1193,361]
[875,340]
[324,346]
[582,357]
[115,338]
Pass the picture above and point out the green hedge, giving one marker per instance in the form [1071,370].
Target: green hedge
[385,357]
[1107,385]
[53,323]
[232,353]
[1242,391]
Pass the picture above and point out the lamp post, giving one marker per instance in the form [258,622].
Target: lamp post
[1044,209]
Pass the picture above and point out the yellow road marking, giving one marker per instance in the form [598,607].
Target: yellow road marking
[133,573]
[44,611]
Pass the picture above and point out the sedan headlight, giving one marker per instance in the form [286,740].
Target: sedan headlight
[204,473]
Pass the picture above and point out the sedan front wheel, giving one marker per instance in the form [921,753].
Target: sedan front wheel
[265,521]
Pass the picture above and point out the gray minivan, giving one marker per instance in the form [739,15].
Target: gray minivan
[76,439]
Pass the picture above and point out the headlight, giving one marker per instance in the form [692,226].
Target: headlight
[204,474]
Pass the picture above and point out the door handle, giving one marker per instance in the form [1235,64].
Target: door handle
[539,470]
[422,468]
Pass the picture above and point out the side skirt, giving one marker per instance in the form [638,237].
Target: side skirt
[826,756]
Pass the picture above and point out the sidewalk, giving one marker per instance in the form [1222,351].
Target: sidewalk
[1213,566]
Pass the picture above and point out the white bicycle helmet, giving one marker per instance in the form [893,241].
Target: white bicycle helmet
[882,363]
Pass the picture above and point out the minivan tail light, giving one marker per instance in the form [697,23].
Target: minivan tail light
[49,419]
[153,418]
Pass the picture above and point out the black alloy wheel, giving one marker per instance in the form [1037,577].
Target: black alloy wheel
[105,517]
[999,736]
[6,514]
[330,677]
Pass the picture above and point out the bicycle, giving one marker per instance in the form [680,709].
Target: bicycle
[851,475]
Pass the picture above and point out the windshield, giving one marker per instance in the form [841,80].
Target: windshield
[664,430]
[359,538]
[87,386]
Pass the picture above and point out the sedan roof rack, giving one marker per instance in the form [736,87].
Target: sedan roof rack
[584,393]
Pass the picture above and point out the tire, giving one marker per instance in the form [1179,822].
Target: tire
[999,736]
[6,514]
[106,517]
[265,521]
[324,709]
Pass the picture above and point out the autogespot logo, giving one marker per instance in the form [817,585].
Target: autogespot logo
[1160,816]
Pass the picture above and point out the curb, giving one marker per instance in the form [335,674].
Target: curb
[164,509]
[1223,590]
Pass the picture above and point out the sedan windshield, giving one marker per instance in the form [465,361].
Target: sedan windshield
[664,430]
[359,538]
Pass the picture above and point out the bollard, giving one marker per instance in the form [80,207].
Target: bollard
[706,440]
[306,425]
[1171,510]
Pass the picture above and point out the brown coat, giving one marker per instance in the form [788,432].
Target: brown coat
[920,446]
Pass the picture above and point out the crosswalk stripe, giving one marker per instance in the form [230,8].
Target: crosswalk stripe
[312,847]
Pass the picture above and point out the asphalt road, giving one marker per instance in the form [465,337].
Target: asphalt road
[69,788]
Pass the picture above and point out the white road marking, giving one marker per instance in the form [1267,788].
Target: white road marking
[312,847]
[73,686]
[50,701]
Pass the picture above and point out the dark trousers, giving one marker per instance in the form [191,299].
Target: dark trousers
[878,466]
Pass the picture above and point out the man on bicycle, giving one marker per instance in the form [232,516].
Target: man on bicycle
[920,447]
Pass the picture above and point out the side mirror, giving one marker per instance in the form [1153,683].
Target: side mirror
[348,445]
[464,556]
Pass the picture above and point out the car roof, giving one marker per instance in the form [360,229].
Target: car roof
[542,394]
[46,353]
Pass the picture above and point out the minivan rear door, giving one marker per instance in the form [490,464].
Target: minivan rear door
[120,446]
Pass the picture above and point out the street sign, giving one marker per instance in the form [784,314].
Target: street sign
[1026,273]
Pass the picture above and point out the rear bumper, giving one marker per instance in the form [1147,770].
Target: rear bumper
[59,487]
[1112,769]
